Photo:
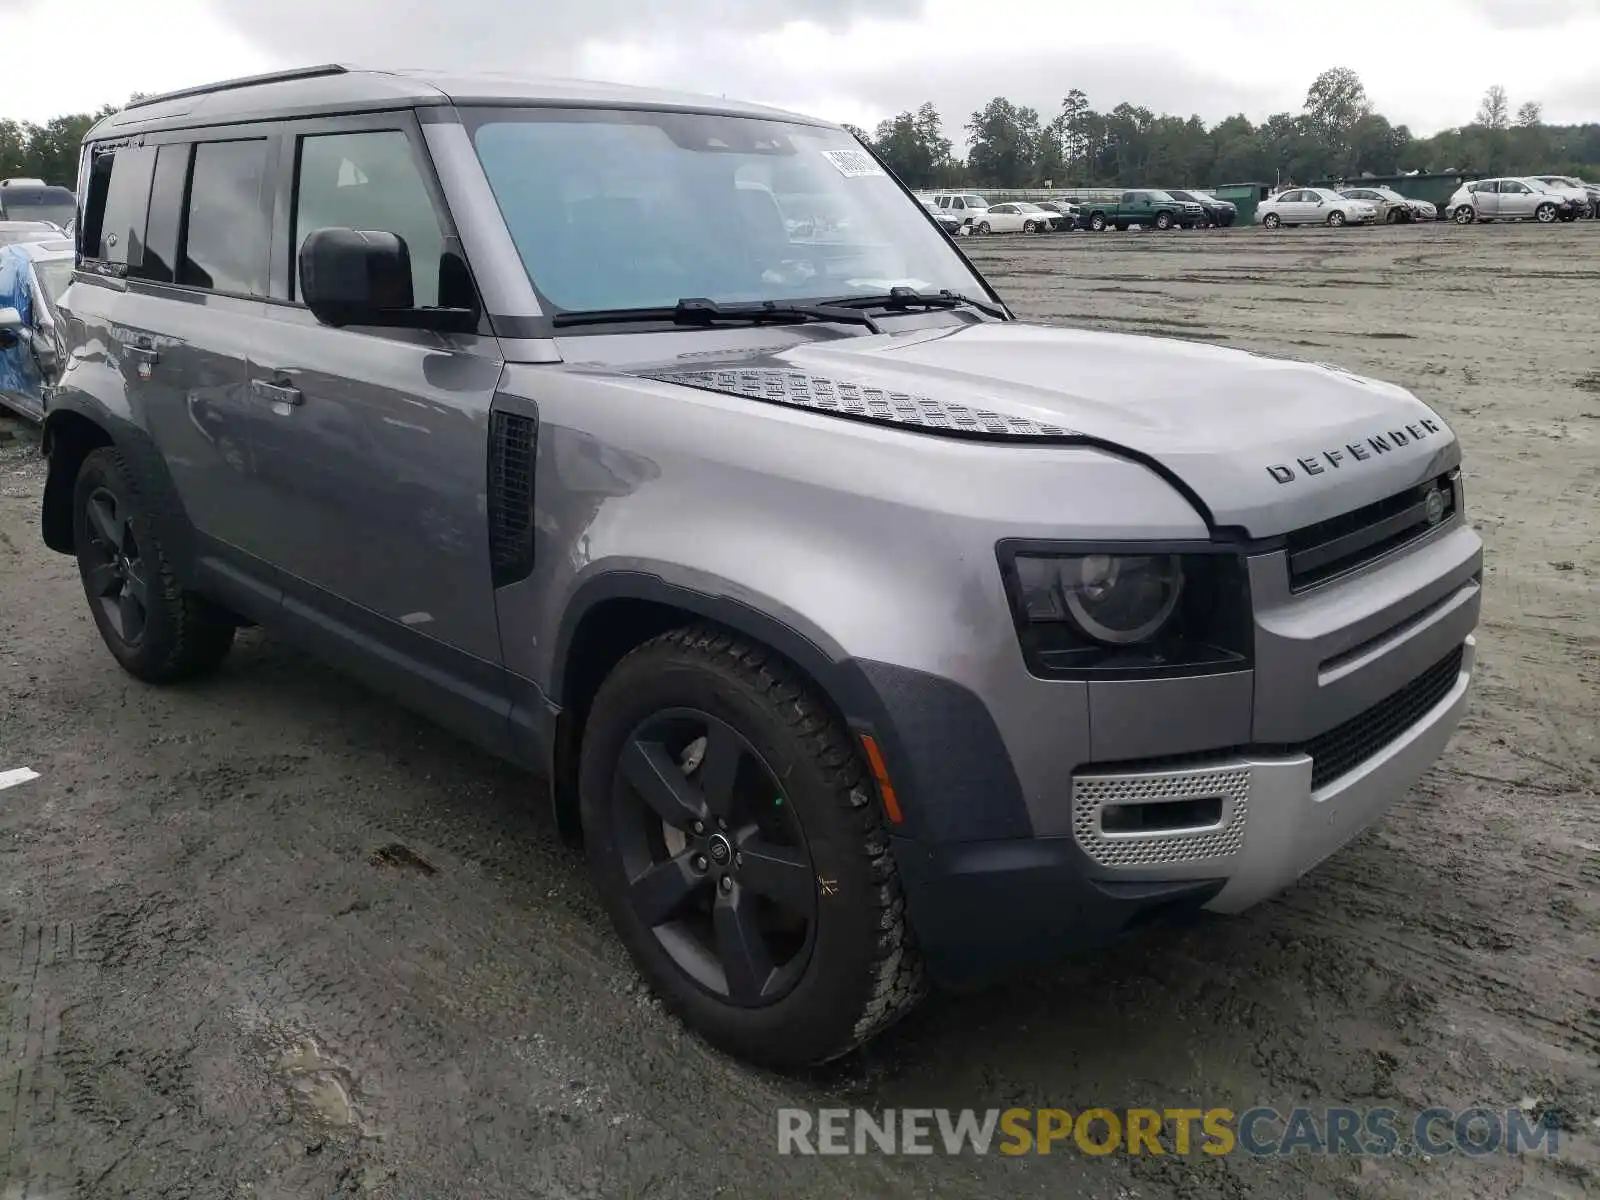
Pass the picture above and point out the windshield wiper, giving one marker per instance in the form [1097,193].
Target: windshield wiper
[698,311]
[903,299]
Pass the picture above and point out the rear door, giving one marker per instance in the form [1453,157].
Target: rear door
[374,442]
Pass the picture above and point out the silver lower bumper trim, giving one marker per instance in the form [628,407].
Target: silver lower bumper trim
[1274,828]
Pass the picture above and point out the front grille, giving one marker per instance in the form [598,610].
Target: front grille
[1319,552]
[511,451]
[1345,747]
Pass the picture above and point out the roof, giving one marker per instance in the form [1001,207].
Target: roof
[307,91]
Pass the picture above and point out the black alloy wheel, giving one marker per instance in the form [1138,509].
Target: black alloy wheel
[718,866]
[114,572]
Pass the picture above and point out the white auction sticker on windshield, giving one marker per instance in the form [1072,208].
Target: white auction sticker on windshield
[853,163]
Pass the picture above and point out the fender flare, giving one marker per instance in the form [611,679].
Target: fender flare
[960,788]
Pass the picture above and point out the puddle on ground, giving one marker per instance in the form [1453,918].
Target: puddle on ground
[320,1086]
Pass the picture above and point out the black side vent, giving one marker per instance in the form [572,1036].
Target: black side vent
[512,438]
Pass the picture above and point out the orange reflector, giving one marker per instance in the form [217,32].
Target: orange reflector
[891,803]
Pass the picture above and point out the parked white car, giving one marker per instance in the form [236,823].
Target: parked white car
[966,206]
[1579,192]
[1509,199]
[1011,218]
[1394,207]
[1314,206]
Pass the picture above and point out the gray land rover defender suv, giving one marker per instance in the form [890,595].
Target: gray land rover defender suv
[665,445]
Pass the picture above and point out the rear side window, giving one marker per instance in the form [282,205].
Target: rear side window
[225,249]
[371,181]
[166,214]
[114,210]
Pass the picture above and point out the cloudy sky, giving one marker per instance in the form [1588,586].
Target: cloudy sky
[1425,62]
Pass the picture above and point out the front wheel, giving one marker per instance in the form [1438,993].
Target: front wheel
[1163,221]
[1272,220]
[1336,218]
[157,631]
[1545,214]
[1030,227]
[734,837]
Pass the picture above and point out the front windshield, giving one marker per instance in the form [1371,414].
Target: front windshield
[635,209]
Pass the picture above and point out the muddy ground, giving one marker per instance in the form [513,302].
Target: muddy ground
[271,936]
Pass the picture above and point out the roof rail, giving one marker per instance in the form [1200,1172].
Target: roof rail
[245,81]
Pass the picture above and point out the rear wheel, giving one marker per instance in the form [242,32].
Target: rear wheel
[1097,222]
[1272,220]
[155,629]
[1464,215]
[735,841]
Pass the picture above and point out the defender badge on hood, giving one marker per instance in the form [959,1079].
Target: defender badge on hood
[1357,451]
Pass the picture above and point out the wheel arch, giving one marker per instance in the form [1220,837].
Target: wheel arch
[612,614]
[69,438]
[949,788]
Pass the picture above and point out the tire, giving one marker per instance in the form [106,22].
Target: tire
[983,227]
[856,969]
[1545,214]
[1271,221]
[1335,219]
[157,631]
[1465,215]
[1392,217]
[1097,222]
[1163,221]
[1030,227]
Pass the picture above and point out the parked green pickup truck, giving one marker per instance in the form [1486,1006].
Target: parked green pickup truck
[1146,206]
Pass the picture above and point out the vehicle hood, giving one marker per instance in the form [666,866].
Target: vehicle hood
[1264,444]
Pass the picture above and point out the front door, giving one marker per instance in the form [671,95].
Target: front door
[375,441]
[1517,200]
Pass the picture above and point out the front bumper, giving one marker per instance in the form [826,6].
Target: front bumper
[984,907]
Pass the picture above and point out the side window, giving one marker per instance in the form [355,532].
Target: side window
[1518,189]
[114,211]
[1127,197]
[370,181]
[959,204]
[166,214]
[225,249]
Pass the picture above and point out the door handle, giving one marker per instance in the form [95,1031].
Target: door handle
[278,393]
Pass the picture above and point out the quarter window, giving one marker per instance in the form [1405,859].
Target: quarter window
[371,181]
[226,246]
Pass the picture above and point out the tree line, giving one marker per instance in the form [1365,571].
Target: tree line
[1337,135]
[49,151]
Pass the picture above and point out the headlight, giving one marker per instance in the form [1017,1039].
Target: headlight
[1127,610]
[1116,599]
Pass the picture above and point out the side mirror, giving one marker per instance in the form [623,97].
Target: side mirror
[10,326]
[363,277]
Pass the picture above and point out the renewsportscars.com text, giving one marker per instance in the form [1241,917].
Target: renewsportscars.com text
[1260,1132]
